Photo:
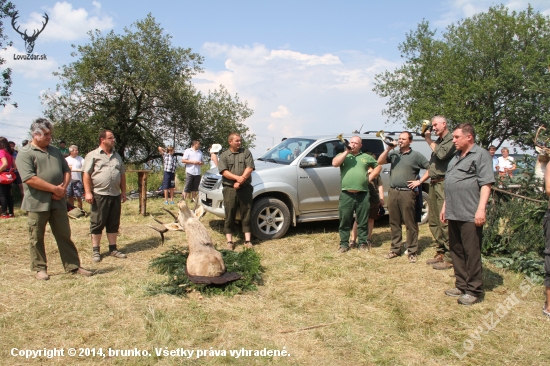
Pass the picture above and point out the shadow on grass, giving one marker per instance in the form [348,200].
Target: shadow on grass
[491,279]
[145,244]
[106,270]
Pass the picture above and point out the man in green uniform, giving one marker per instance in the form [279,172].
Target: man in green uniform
[46,175]
[354,197]
[443,151]
[236,166]
[405,166]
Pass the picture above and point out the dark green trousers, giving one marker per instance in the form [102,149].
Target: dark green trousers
[237,199]
[61,230]
[351,203]
[440,231]
[402,206]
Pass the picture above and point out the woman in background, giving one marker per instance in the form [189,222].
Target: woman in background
[214,151]
[6,163]
[506,164]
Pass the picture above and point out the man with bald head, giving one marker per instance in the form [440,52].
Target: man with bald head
[354,197]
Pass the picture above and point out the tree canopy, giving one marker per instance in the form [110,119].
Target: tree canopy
[490,70]
[6,10]
[139,86]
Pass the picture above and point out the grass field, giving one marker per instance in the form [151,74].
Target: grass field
[360,308]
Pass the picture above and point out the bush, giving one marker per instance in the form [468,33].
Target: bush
[513,236]
[173,263]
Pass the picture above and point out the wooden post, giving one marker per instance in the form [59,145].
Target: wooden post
[142,182]
[142,186]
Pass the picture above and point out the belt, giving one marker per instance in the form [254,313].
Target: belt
[434,181]
[359,192]
[400,189]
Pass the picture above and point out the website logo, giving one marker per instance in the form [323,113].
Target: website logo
[29,40]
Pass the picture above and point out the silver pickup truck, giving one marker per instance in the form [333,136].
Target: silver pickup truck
[295,182]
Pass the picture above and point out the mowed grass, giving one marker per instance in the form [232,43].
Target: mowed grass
[368,310]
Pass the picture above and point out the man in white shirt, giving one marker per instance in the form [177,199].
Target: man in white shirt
[192,158]
[75,188]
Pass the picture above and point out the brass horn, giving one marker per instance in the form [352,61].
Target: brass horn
[387,140]
[344,141]
[426,126]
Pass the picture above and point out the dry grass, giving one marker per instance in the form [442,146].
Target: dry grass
[376,312]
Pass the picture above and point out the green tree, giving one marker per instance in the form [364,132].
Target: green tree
[480,71]
[136,84]
[6,10]
[223,114]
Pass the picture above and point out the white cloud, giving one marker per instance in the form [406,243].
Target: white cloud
[65,23]
[325,93]
[281,112]
[460,9]
[30,69]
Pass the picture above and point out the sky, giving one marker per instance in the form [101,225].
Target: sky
[304,67]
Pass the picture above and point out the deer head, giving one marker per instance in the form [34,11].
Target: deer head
[29,40]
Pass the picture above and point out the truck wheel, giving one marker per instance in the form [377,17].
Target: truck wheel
[425,208]
[270,219]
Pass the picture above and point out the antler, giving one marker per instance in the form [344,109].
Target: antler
[15,16]
[25,35]
[543,148]
[43,26]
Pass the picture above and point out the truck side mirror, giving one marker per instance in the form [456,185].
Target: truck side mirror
[308,161]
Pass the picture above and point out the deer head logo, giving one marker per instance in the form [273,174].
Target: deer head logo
[29,40]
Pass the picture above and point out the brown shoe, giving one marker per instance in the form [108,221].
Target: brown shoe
[436,259]
[442,265]
[248,245]
[230,245]
[82,271]
[343,249]
[352,244]
[364,247]
[42,275]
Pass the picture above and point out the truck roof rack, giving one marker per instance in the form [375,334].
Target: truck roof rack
[391,133]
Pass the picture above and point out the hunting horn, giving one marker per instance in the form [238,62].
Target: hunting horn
[387,140]
[344,141]
[426,126]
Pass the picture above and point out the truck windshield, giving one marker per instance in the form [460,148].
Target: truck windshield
[286,151]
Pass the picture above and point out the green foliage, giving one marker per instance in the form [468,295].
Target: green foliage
[173,262]
[6,10]
[222,115]
[139,86]
[154,178]
[513,236]
[490,70]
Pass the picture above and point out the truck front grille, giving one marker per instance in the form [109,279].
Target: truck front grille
[208,182]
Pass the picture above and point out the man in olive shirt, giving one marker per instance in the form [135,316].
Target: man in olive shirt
[467,188]
[443,151]
[405,167]
[236,166]
[354,196]
[46,175]
[104,181]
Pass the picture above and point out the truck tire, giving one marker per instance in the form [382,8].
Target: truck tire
[425,208]
[270,218]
